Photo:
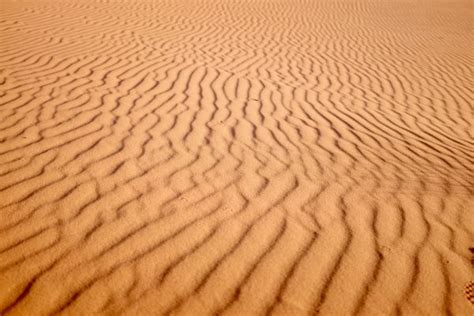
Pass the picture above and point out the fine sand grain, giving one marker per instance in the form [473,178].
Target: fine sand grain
[257,157]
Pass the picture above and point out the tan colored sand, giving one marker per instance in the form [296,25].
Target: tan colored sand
[236,157]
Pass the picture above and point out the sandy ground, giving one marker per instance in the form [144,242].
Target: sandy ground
[234,157]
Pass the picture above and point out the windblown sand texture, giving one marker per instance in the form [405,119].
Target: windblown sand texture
[235,157]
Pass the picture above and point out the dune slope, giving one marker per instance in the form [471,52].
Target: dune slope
[250,157]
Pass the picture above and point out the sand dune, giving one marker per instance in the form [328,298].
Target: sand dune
[251,157]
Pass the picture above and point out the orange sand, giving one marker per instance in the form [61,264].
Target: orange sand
[235,157]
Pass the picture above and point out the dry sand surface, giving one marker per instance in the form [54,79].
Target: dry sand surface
[236,157]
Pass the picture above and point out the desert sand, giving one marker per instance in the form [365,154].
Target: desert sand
[231,157]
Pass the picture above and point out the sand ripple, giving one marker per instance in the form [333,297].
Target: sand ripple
[251,157]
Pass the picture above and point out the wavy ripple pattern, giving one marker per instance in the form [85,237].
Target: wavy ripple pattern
[252,157]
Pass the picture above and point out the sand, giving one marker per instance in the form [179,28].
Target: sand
[233,157]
